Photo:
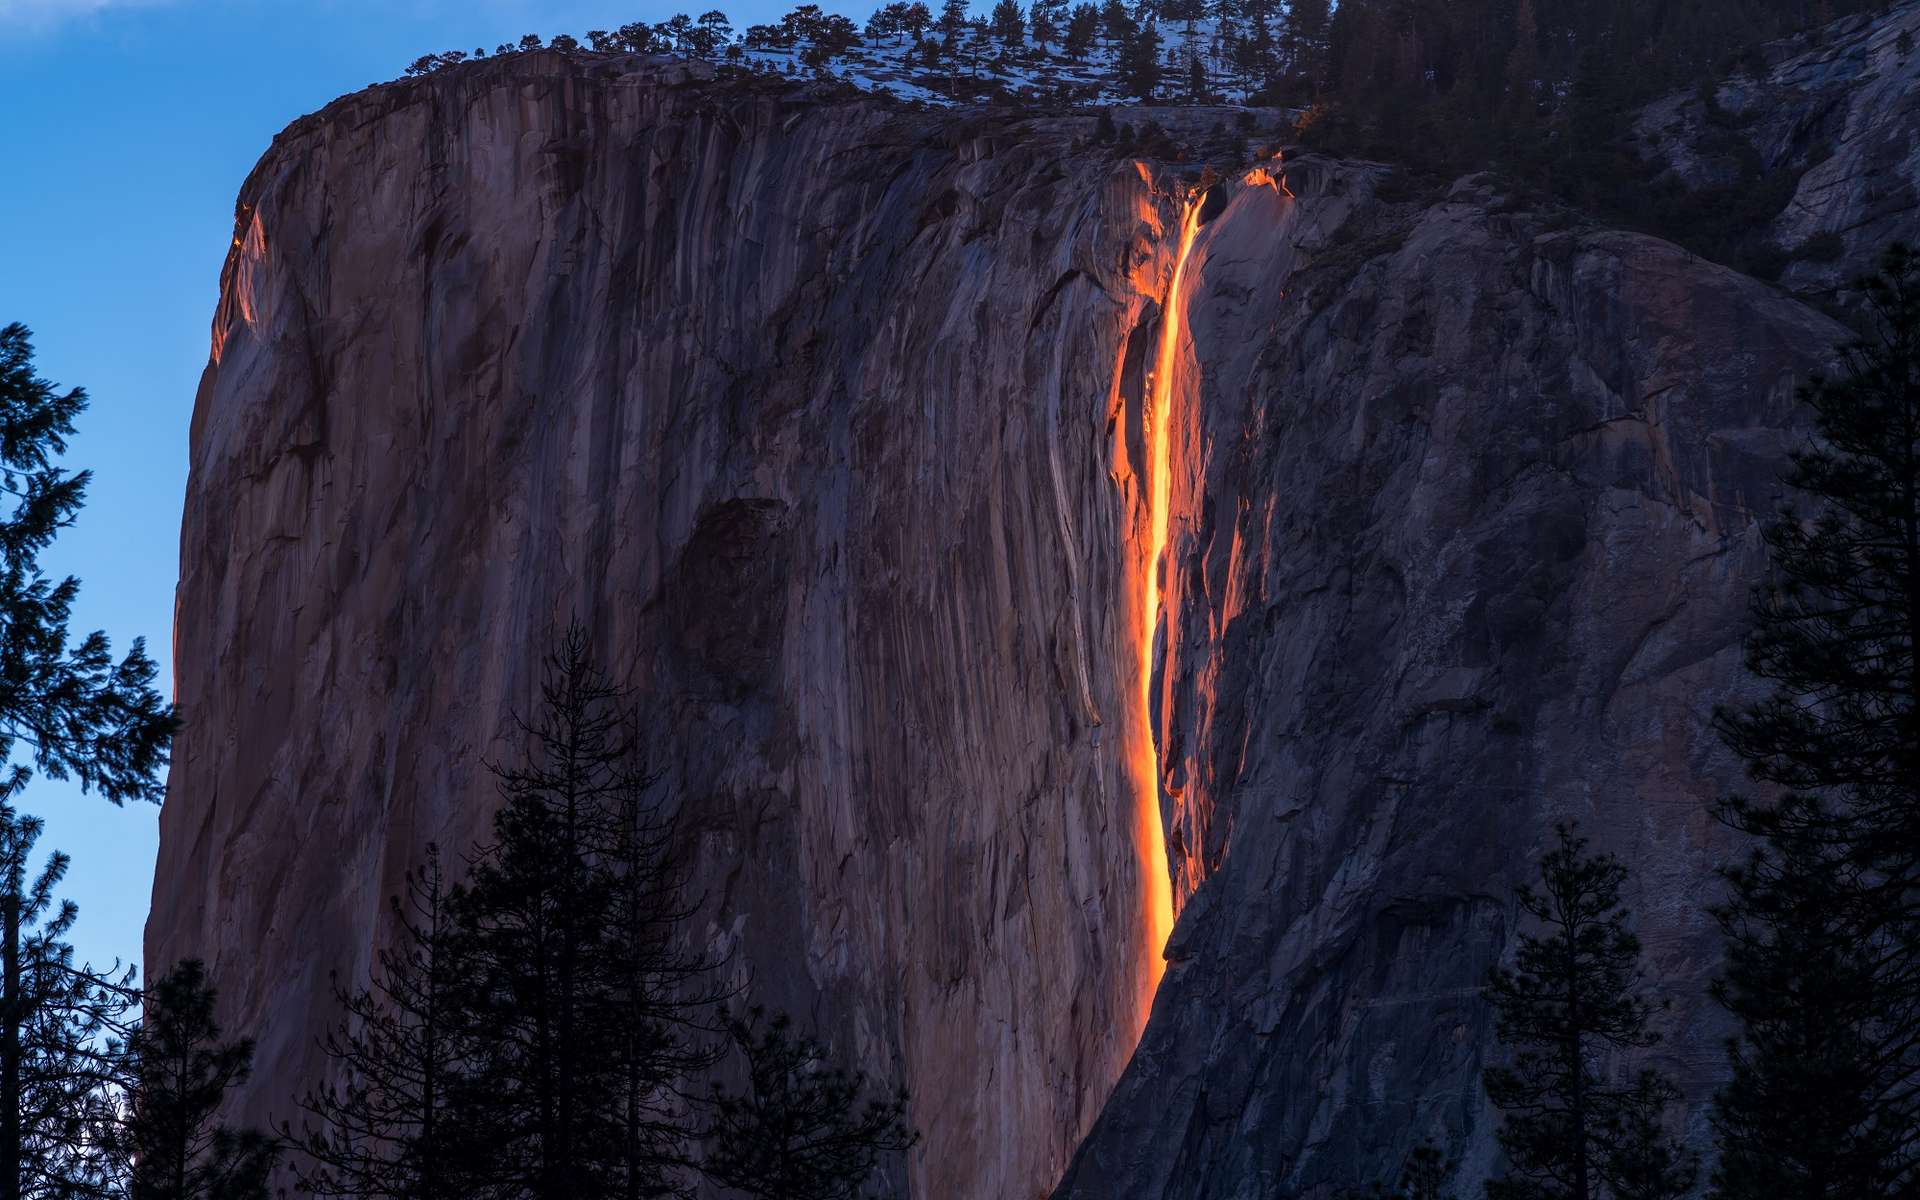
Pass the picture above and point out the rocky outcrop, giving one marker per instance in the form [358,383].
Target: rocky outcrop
[1466,525]
[1829,122]
[830,419]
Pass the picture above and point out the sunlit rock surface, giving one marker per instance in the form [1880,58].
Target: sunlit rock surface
[827,418]
[808,410]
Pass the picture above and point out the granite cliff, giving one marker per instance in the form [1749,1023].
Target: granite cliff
[839,422]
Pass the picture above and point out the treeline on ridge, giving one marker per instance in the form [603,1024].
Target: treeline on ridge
[1545,92]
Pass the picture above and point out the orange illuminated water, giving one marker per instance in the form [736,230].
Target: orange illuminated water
[1150,839]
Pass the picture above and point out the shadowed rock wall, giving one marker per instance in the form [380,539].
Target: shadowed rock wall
[1467,526]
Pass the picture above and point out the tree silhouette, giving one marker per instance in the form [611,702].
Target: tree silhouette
[1571,997]
[171,1144]
[585,1010]
[58,1027]
[801,1129]
[397,1124]
[72,709]
[1823,921]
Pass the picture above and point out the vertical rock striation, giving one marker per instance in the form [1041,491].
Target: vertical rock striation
[810,411]
[831,419]
[1465,521]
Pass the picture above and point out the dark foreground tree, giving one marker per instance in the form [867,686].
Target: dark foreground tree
[1571,999]
[73,710]
[662,990]
[1137,66]
[172,1144]
[586,1009]
[801,1129]
[1424,1176]
[395,1126]
[58,1024]
[1823,921]
[536,916]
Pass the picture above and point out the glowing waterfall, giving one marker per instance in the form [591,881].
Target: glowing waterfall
[1150,833]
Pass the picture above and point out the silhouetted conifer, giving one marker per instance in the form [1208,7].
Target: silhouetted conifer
[397,1123]
[170,1143]
[1572,998]
[661,991]
[1008,23]
[1424,1176]
[1138,63]
[586,1011]
[1823,923]
[801,1128]
[58,1025]
[71,709]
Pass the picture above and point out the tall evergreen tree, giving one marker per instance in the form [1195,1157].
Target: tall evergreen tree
[1823,921]
[1044,23]
[587,1009]
[58,1027]
[953,23]
[1009,23]
[1083,25]
[537,911]
[1423,1176]
[1307,41]
[661,990]
[397,1125]
[1138,64]
[72,709]
[801,1129]
[171,1143]
[1571,998]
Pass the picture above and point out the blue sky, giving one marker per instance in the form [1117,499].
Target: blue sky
[128,126]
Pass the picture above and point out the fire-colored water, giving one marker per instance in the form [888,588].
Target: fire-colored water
[1150,833]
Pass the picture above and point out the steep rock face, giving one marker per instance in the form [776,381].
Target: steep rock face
[1832,119]
[1465,526]
[829,420]
[810,413]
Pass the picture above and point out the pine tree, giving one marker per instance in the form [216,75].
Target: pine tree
[1307,41]
[1009,24]
[1083,25]
[1198,91]
[1043,24]
[953,23]
[1138,64]
[1823,921]
[586,1012]
[72,709]
[916,19]
[801,1129]
[396,1125]
[712,32]
[536,912]
[58,1025]
[662,990]
[1571,998]
[177,1074]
